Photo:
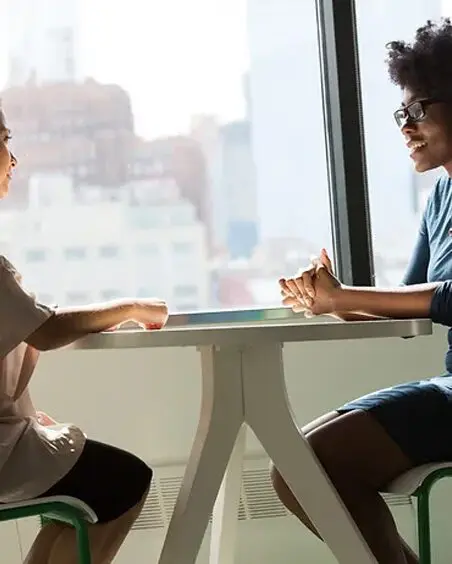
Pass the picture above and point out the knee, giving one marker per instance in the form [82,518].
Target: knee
[148,474]
[142,477]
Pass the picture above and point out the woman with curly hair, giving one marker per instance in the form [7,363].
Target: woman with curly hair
[372,440]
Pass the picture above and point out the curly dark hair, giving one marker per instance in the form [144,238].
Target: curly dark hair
[424,66]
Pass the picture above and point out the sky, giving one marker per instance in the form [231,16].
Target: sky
[176,58]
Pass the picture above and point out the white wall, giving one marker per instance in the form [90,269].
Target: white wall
[148,401]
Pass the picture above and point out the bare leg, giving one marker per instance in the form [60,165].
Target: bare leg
[56,543]
[40,550]
[360,459]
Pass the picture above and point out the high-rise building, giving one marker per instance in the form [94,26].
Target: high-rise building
[42,41]
[86,131]
[231,176]
[238,186]
[146,242]
[181,158]
[83,130]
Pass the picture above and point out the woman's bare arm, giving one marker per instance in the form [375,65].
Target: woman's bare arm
[420,300]
[70,324]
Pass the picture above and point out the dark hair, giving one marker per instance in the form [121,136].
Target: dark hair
[424,66]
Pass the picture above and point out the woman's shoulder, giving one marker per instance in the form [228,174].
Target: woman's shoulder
[5,264]
[440,197]
[8,269]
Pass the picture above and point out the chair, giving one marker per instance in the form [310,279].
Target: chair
[57,508]
[418,483]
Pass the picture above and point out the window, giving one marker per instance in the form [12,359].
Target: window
[184,215]
[145,215]
[397,193]
[35,255]
[185,291]
[77,298]
[147,250]
[75,253]
[182,248]
[233,138]
[109,251]
[146,292]
[110,295]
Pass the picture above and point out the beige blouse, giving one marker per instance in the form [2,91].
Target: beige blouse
[32,457]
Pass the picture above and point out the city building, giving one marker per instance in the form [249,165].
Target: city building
[84,130]
[146,242]
[238,189]
[180,158]
[231,177]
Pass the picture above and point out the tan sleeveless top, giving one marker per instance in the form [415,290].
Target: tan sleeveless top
[32,457]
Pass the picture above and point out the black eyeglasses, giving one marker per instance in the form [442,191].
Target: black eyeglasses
[415,112]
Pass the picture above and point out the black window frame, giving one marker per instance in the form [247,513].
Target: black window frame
[345,146]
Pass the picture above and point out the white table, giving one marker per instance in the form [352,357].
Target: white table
[243,383]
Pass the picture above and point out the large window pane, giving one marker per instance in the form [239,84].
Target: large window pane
[180,154]
[397,193]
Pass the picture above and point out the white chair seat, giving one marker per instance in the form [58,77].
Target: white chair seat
[88,514]
[408,483]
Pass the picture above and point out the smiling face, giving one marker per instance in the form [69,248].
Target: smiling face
[428,139]
[7,160]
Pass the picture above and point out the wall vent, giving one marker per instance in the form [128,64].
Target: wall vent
[257,499]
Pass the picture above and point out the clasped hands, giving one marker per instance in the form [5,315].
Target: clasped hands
[314,290]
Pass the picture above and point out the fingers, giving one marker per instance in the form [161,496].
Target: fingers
[294,303]
[291,301]
[302,286]
[285,290]
[151,313]
[161,314]
[153,326]
[299,292]
[307,287]
[326,261]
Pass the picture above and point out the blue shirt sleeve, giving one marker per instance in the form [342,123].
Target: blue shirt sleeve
[416,272]
[441,304]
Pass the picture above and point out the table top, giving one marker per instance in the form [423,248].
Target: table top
[253,334]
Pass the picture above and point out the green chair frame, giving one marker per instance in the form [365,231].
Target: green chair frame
[422,495]
[64,512]
[59,511]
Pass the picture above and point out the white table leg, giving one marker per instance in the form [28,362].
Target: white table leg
[221,418]
[268,413]
[225,513]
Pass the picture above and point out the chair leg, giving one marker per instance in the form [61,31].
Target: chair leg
[83,546]
[423,526]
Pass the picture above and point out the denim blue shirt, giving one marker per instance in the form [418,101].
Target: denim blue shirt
[432,256]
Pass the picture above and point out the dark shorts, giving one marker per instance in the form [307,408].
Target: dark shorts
[110,480]
[418,416]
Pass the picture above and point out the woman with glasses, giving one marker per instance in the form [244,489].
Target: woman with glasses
[370,441]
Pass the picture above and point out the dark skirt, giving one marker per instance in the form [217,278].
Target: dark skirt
[109,480]
[417,415]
